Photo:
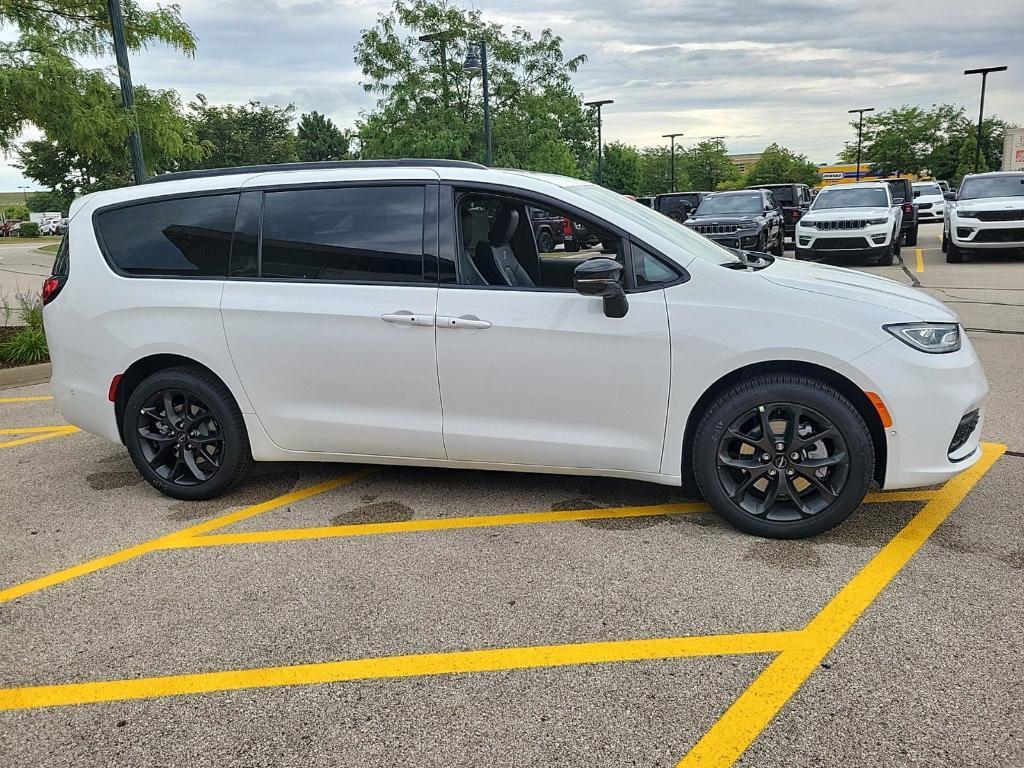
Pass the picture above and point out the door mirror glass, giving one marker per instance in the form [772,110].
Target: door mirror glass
[897,200]
[602,278]
[950,195]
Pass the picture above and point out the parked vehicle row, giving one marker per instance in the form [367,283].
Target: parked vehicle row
[399,312]
[744,220]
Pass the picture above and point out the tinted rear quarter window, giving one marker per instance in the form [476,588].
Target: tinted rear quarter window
[186,237]
[347,234]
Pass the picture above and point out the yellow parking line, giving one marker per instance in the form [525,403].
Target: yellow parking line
[29,430]
[99,563]
[920,260]
[46,434]
[455,662]
[25,399]
[742,722]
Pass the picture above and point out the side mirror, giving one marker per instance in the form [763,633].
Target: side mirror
[805,204]
[603,278]
[950,195]
[898,200]
[917,193]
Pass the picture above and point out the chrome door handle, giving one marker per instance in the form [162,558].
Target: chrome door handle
[466,321]
[407,318]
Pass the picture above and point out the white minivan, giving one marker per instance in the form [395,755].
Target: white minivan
[400,312]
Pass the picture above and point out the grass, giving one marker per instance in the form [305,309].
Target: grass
[29,240]
[9,198]
[51,248]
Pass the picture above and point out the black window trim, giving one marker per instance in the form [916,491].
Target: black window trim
[429,236]
[448,220]
[105,251]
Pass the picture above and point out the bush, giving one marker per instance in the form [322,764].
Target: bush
[18,211]
[28,229]
[27,345]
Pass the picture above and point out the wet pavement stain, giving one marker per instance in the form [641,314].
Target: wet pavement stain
[258,488]
[377,512]
[611,492]
[108,481]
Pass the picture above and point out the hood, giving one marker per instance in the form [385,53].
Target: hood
[929,199]
[724,218]
[991,203]
[845,214]
[857,286]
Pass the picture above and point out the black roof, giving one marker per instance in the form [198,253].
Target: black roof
[318,166]
[778,186]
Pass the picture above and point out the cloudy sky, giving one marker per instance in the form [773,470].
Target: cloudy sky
[755,71]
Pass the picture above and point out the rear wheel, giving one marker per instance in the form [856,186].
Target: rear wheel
[545,242]
[783,456]
[912,235]
[185,434]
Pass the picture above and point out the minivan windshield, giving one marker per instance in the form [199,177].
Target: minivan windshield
[717,204]
[851,198]
[992,186]
[645,218]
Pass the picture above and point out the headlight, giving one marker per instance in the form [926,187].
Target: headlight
[934,338]
[966,214]
[876,222]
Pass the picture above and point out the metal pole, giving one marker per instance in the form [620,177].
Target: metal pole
[672,154]
[127,94]
[983,71]
[860,131]
[597,105]
[487,105]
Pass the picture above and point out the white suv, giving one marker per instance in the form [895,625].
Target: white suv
[400,312]
[858,219]
[987,214]
[930,201]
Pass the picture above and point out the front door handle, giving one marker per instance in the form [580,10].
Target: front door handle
[466,321]
[404,317]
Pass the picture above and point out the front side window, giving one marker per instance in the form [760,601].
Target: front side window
[186,237]
[362,234]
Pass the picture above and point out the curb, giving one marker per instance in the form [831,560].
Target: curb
[24,375]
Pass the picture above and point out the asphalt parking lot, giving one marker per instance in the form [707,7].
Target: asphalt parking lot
[345,615]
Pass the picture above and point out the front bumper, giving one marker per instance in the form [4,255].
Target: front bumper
[741,239]
[973,233]
[927,396]
[929,215]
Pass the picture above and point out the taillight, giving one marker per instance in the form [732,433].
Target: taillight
[908,208]
[796,214]
[51,287]
[566,226]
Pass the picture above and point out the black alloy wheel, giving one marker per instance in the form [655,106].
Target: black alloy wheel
[782,462]
[180,438]
[545,242]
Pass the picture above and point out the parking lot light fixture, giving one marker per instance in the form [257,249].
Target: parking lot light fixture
[672,154]
[597,106]
[983,71]
[476,63]
[441,38]
[860,133]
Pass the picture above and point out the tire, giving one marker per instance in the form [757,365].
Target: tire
[911,238]
[945,241]
[170,462]
[743,496]
[545,242]
[954,254]
[780,246]
[572,246]
[680,214]
[897,244]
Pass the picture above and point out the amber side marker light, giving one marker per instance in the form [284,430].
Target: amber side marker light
[883,412]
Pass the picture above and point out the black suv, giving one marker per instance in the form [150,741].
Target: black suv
[746,220]
[548,228]
[793,199]
[903,196]
[679,205]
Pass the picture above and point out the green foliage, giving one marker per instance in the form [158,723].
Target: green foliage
[320,139]
[965,160]
[28,229]
[249,134]
[656,171]
[778,165]
[621,171]
[16,211]
[430,108]
[707,165]
[48,201]
[28,344]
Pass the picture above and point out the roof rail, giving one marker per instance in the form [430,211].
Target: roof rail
[313,166]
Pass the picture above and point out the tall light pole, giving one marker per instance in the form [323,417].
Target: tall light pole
[24,192]
[983,71]
[476,62]
[441,38]
[672,153]
[127,94]
[597,105]
[860,132]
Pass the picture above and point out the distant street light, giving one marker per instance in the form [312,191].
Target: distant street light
[672,153]
[127,93]
[476,63]
[860,131]
[597,105]
[983,71]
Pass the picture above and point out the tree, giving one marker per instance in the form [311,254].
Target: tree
[965,161]
[16,211]
[707,165]
[48,201]
[43,84]
[656,171]
[621,168]
[250,134]
[428,107]
[778,165]
[320,139]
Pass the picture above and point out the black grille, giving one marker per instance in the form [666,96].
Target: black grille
[716,229]
[839,243]
[996,215]
[964,430]
[1015,235]
[831,226]
[924,206]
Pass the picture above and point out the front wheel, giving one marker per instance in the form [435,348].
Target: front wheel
[545,242]
[185,434]
[783,456]
[954,254]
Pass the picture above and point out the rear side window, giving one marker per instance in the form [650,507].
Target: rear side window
[186,237]
[784,195]
[361,234]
